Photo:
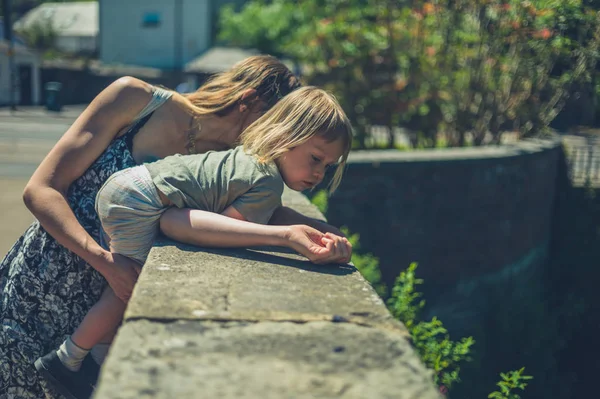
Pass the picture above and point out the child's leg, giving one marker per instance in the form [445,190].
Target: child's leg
[129,208]
[102,319]
[100,350]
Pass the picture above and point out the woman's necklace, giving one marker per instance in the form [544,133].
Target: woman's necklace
[191,136]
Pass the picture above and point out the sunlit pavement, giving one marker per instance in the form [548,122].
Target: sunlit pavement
[26,136]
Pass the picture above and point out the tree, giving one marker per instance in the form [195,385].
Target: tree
[461,68]
[40,36]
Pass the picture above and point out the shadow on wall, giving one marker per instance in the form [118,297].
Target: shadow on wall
[572,280]
[257,254]
[508,250]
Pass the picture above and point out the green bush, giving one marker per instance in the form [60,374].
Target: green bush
[430,338]
[459,70]
[509,382]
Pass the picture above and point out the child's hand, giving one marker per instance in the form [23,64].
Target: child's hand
[318,247]
[123,276]
[341,249]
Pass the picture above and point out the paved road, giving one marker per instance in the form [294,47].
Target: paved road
[25,138]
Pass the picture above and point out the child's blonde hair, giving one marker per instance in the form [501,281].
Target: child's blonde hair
[271,79]
[300,115]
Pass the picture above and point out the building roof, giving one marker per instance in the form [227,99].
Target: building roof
[68,19]
[218,59]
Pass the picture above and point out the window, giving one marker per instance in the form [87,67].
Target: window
[151,19]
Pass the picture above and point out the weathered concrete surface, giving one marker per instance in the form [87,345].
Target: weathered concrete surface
[260,323]
[191,359]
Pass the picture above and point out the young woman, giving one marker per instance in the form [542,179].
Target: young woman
[293,143]
[57,270]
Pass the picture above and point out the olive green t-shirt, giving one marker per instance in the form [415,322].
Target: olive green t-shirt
[217,179]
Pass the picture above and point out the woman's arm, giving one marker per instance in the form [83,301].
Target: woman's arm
[210,229]
[287,216]
[45,194]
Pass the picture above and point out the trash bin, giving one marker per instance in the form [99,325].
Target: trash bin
[53,102]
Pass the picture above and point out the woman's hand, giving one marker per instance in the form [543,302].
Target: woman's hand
[318,247]
[122,276]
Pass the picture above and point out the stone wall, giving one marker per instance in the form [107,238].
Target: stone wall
[258,323]
[460,213]
[479,222]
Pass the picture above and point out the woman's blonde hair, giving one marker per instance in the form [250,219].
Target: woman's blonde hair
[271,79]
[302,114]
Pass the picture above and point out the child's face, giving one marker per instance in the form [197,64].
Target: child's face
[304,167]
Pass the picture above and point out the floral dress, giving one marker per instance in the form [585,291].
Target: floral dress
[47,289]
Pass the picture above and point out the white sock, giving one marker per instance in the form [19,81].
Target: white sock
[71,355]
[99,352]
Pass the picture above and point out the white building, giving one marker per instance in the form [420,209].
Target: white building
[164,34]
[26,88]
[75,24]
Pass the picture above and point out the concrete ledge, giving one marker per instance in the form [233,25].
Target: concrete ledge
[520,148]
[258,323]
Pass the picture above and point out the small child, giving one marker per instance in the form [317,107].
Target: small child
[294,143]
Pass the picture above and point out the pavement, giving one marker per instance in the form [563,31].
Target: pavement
[26,136]
[68,113]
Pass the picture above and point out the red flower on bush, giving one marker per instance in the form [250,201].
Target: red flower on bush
[428,8]
[544,34]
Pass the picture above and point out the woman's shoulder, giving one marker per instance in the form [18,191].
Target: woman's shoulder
[129,91]
[134,84]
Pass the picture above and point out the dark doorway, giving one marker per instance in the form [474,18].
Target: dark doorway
[25,72]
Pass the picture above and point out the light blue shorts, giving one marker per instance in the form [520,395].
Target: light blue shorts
[129,208]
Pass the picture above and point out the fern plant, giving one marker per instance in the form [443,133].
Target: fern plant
[510,381]
[430,338]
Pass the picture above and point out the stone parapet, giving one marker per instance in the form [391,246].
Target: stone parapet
[258,323]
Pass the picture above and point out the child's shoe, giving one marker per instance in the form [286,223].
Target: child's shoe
[90,369]
[73,385]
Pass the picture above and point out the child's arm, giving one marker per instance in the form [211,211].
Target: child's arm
[287,216]
[210,229]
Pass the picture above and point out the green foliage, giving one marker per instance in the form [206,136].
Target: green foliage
[320,201]
[510,381]
[466,69]
[431,339]
[40,36]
